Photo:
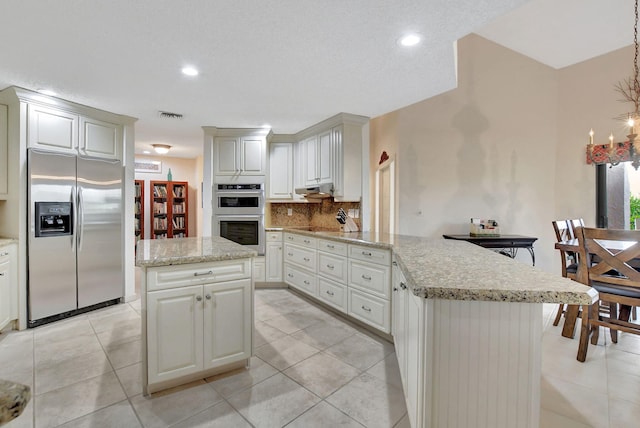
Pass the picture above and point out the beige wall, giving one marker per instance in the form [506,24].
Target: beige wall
[181,170]
[507,144]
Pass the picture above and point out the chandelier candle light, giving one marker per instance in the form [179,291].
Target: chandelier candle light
[614,153]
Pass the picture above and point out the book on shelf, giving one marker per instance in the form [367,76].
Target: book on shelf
[178,222]
[138,190]
[160,223]
[160,191]
[178,208]
[159,207]
[178,191]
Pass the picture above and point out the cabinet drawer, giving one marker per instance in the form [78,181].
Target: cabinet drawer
[300,279]
[274,236]
[332,293]
[374,279]
[163,277]
[332,247]
[370,310]
[304,257]
[369,254]
[303,240]
[333,267]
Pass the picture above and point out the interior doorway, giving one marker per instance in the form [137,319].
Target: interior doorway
[385,197]
[622,196]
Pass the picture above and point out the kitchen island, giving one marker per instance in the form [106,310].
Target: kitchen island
[197,309]
[467,328]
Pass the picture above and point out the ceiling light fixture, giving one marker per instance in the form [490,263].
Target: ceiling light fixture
[614,153]
[161,149]
[190,71]
[146,152]
[410,40]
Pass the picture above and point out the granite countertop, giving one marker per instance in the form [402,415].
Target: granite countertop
[164,252]
[14,397]
[6,241]
[458,270]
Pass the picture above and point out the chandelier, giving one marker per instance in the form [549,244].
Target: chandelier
[616,152]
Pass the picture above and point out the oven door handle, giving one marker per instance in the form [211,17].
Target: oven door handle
[222,193]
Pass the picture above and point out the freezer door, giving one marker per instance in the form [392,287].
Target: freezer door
[52,259]
[99,238]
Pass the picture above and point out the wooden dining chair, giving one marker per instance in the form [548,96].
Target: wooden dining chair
[574,224]
[604,263]
[564,232]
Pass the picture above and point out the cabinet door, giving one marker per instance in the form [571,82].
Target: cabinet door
[225,160]
[414,335]
[252,156]
[100,139]
[325,158]
[228,322]
[4,152]
[52,129]
[5,288]
[274,262]
[174,333]
[281,171]
[311,161]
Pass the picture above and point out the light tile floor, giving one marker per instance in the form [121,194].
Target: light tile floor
[311,369]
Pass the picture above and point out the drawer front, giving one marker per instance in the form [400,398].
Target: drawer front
[332,247]
[332,266]
[332,293]
[304,257]
[370,310]
[374,279]
[163,277]
[303,240]
[300,279]
[369,254]
[274,236]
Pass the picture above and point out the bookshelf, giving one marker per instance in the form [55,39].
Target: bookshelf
[170,208]
[139,209]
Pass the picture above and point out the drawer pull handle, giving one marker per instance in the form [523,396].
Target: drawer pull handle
[366,308]
[306,241]
[290,254]
[366,253]
[330,293]
[395,263]
[368,278]
[307,259]
[403,285]
[199,298]
[1,273]
[4,254]
[306,282]
[331,267]
[203,274]
[331,246]
[208,296]
[290,275]
[290,238]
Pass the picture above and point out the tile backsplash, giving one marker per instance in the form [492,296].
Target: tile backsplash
[316,215]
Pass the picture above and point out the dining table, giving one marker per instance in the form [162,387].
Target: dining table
[573,246]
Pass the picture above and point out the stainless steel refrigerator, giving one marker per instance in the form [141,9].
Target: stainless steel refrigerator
[75,240]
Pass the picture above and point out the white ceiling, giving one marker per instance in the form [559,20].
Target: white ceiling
[286,63]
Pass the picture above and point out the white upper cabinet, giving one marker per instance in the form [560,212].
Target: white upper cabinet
[331,152]
[239,155]
[100,139]
[4,152]
[51,128]
[280,171]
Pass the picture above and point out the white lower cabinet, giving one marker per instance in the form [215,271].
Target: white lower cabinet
[258,269]
[8,286]
[408,337]
[301,279]
[333,293]
[195,328]
[273,262]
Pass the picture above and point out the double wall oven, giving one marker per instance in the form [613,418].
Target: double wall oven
[238,211]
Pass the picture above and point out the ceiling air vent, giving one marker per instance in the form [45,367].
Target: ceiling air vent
[169,115]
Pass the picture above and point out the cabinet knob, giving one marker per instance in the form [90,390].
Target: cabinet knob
[208,296]
[199,298]
[395,288]
[403,285]
[395,263]
[1,273]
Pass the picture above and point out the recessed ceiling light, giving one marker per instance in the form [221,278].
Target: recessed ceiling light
[146,152]
[410,40]
[190,71]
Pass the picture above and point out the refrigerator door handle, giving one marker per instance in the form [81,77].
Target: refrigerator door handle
[72,237]
[80,222]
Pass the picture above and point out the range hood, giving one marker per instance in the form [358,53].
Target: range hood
[319,191]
